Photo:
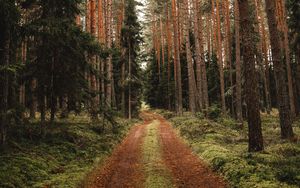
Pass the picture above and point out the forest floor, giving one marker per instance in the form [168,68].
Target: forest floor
[223,143]
[152,155]
[165,150]
[64,156]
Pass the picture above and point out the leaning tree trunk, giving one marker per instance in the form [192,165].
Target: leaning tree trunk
[251,85]
[280,75]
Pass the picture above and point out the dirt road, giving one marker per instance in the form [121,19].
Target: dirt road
[126,167]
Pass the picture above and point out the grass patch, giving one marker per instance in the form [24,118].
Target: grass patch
[157,176]
[62,158]
[223,144]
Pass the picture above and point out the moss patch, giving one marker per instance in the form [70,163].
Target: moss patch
[223,144]
[62,158]
[157,176]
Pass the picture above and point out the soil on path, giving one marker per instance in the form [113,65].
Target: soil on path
[187,169]
[125,167]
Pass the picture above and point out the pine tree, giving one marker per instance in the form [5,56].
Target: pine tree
[131,40]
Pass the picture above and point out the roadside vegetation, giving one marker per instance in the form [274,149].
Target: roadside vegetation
[63,157]
[222,143]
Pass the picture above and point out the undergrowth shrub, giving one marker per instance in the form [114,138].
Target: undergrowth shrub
[214,112]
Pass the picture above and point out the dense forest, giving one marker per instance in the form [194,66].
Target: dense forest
[76,75]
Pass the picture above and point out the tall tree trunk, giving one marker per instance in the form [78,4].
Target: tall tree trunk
[169,43]
[4,92]
[220,58]
[279,69]
[202,62]
[177,66]
[94,90]
[251,85]
[228,49]
[109,86]
[101,38]
[239,112]
[129,87]
[191,75]
[198,52]
[263,47]
[123,100]
[288,59]
[24,59]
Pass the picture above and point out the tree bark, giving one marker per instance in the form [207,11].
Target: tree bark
[288,60]
[239,112]
[279,70]
[33,100]
[191,75]
[251,85]
[177,66]
[109,86]
[4,92]
[129,87]
[220,58]
[263,48]
[198,53]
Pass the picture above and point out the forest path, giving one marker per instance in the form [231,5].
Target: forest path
[152,155]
